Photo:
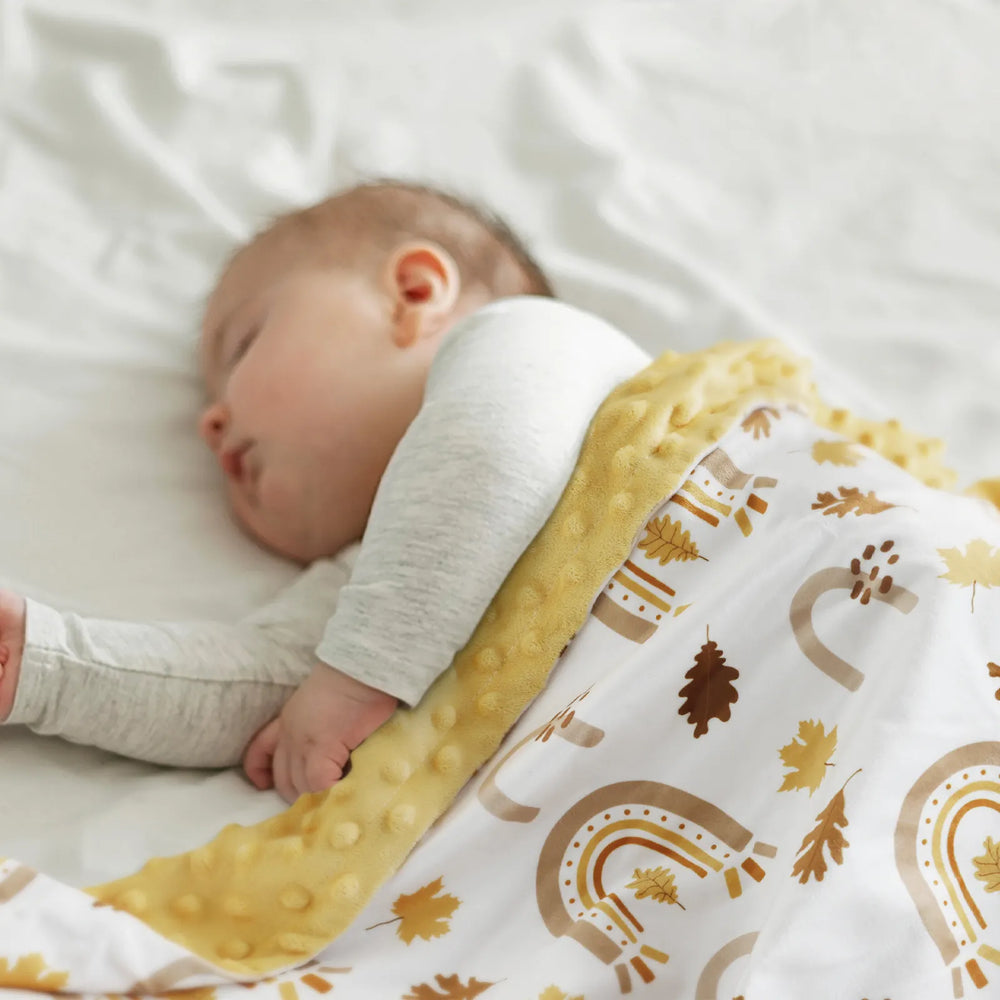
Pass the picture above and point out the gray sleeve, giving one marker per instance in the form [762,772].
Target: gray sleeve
[509,399]
[187,695]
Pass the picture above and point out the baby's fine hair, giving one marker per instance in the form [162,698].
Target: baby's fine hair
[362,224]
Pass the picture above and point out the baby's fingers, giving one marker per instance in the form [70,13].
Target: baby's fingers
[324,766]
[259,755]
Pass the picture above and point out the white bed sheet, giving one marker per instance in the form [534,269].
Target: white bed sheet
[825,172]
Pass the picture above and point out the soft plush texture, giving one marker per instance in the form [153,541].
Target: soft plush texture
[267,898]
[690,172]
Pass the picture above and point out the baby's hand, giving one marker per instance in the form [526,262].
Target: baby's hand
[12,614]
[306,748]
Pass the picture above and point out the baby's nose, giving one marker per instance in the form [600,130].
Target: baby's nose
[212,424]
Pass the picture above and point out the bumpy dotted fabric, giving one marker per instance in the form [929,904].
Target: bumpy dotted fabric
[258,899]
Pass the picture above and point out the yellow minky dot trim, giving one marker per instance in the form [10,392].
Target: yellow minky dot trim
[261,898]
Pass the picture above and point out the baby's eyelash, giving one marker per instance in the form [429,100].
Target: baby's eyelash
[243,345]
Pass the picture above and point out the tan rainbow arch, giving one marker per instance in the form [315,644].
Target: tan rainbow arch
[942,798]
[677,827]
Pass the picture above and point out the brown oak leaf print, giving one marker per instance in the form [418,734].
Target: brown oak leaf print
[656,884]
[666,540]
[988,866]
[448,988]
[836,453]
[709,691]
[980,563]
[850,501]
[423,913]
[759,422]
[994,669]
[807,756]
[827,833]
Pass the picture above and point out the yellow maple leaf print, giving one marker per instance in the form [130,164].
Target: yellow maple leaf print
[666,540]
[554,993]
[424,913]
[988,866]
[29,972]
[807,756]
[851,500]
[655,883]
[980,563]
[836,453]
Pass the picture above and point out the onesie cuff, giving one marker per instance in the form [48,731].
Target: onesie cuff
[370,671]
[44,637]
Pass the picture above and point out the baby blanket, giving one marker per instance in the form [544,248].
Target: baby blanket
[756,663]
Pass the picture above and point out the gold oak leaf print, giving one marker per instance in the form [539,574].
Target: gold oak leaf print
[758,422]
[988,866]
[836,453]
[423,913]
[807,756]
[29,972]
[448,988]
[709,691]
[826,833]
[980,563]
[667,540]
[851,500]
[656,884]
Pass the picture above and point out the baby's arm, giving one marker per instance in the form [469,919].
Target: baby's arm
[181,694]
[509,399]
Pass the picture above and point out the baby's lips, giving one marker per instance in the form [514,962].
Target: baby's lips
[232,462]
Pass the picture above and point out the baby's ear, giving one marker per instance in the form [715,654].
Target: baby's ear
[424,282]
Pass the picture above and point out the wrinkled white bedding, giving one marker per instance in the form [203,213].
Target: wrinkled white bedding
[691,172]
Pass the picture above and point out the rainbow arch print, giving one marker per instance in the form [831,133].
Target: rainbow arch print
[960,793]
[655,825]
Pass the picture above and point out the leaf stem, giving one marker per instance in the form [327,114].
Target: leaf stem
[382,923]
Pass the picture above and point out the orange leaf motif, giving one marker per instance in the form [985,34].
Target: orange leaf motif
[710,690]
[826,833]
[656,883]
[836,453]
[851,500]
[449,988]
[667,540]
[807,756]
[758,422]
[988,866]
[425,913]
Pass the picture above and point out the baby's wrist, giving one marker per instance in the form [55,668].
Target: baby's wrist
[12,632]
[347,686]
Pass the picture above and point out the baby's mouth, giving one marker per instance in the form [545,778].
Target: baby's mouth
[231,461]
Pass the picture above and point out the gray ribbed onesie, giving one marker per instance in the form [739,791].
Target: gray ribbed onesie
[509,397]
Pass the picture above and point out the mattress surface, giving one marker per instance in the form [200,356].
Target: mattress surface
[824,173]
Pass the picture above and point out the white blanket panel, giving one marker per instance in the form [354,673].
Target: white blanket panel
[826,172]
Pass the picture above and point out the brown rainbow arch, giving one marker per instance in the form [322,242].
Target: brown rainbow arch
[564,724]
[611,830]
[708,981]
[942,824]
[800,615]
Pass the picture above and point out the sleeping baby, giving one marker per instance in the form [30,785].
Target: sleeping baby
[387,365]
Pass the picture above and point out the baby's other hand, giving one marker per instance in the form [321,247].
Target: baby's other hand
[12,616]
[306,748]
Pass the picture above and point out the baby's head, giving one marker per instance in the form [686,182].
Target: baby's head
[317,341]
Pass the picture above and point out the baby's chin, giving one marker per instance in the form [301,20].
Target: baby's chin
[281,544]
